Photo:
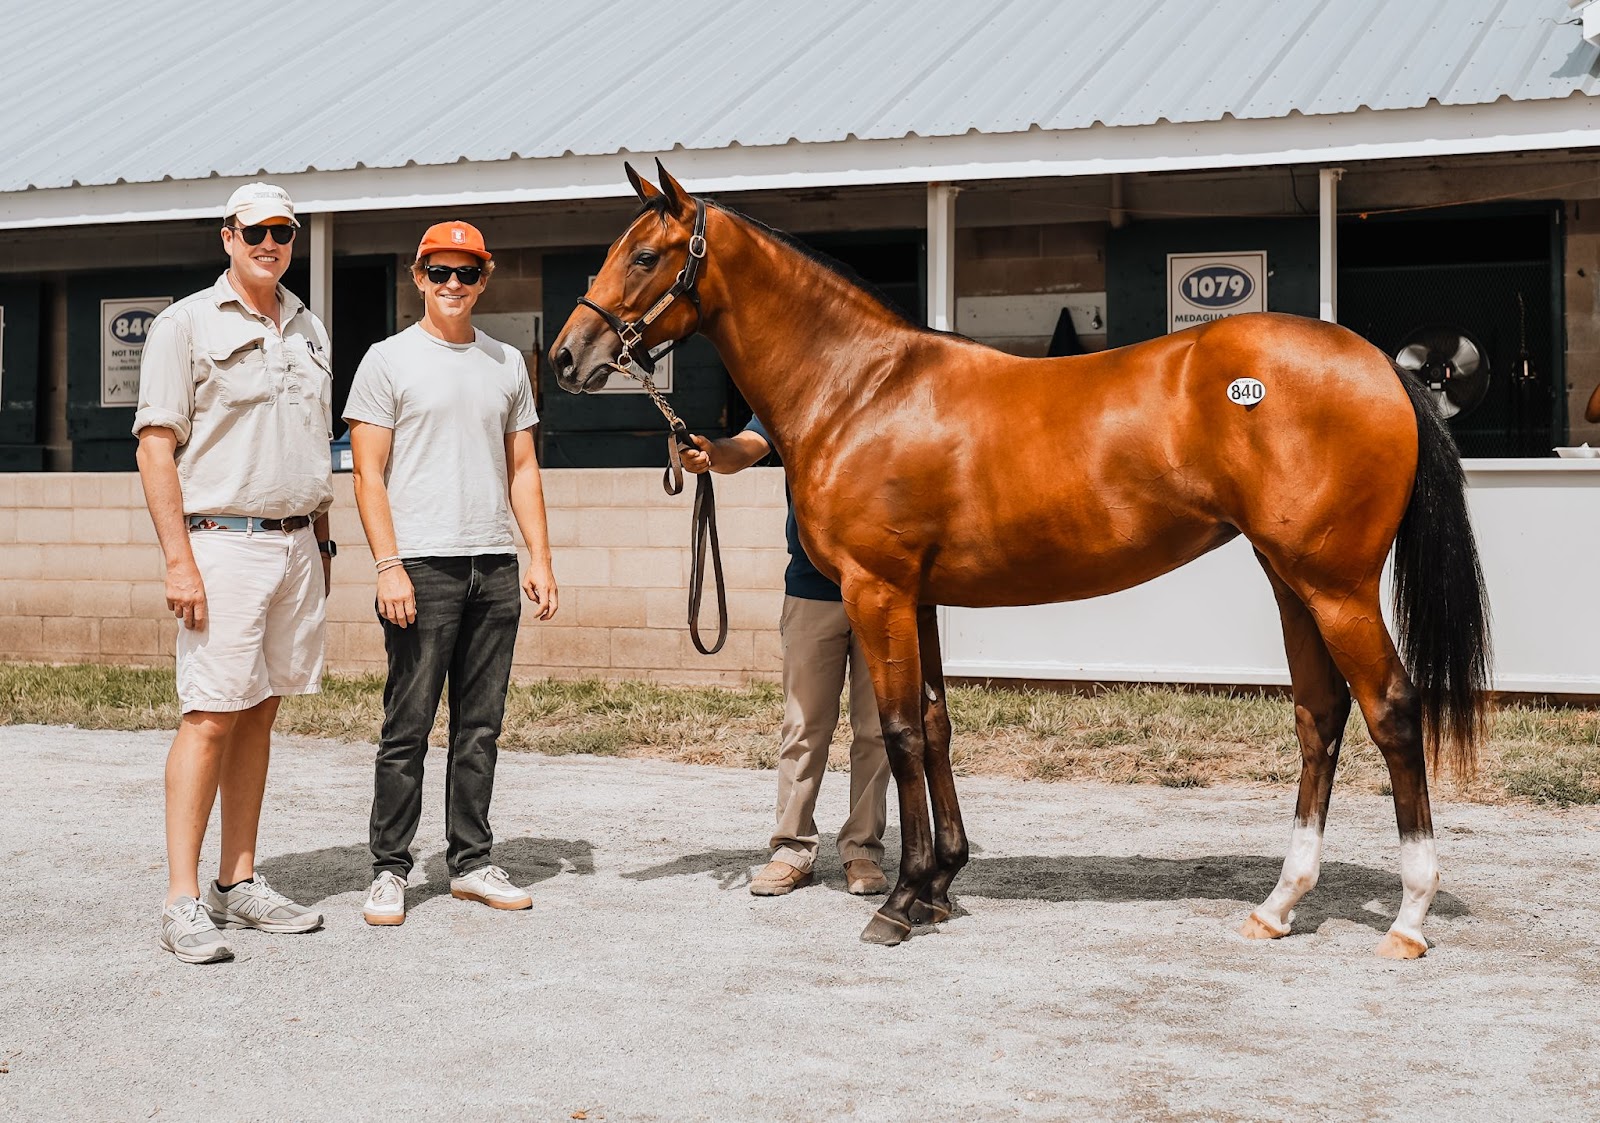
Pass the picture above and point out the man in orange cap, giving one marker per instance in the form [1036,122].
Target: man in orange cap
[441,433]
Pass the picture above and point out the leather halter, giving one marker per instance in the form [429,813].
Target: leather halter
[632,335]
[703,526]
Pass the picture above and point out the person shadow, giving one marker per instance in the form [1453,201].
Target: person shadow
[733,868]
[1345,890]
[313,876]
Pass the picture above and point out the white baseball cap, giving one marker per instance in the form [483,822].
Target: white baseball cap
[257,202]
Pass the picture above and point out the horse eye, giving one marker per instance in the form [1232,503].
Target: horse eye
[645,259]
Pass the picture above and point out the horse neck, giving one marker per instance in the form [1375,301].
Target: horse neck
[802,343]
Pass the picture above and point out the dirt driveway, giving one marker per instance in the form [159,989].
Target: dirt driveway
[1096,976]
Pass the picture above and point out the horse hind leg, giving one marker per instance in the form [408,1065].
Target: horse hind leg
[1321,708]
[1365,654]
[950,836]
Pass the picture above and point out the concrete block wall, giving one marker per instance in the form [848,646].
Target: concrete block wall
[81,578]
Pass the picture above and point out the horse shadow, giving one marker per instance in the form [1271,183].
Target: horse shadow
[313,876]
[1343,892]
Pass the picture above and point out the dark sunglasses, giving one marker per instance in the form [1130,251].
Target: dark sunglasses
[283,234]
[440,274]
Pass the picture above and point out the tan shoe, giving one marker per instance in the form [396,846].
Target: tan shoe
[777,878]
[864,877]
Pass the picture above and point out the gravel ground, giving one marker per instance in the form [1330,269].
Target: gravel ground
[1092,972]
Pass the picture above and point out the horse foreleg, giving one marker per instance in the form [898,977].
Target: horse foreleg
[886,622]
[1321,708]
[950,836]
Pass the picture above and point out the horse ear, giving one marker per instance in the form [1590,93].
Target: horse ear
[641,186]
[677,197]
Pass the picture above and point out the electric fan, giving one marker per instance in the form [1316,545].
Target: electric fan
[1450,363]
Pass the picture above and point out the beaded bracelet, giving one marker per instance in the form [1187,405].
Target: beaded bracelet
[390,558]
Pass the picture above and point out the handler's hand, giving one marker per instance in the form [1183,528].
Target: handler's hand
[540,585]
[397,599]
[186,594]
[327,575]
[698,458]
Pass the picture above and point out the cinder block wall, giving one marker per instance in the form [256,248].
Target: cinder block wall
[81,578]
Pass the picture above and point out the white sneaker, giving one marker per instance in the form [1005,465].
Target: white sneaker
[489,885]
[386,900]
[188,933]
[256,904]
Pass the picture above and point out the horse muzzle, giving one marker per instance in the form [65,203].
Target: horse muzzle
[579,374]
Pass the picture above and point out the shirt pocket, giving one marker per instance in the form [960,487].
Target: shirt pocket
[319,376]
[243,375]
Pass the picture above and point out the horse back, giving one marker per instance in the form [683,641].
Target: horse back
[985,478]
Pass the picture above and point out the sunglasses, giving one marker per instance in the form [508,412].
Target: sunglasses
[255,235]
[440,274]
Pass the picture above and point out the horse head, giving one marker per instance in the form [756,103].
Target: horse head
[644,295]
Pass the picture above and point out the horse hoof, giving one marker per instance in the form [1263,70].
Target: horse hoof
[926,912]
[884,930]
[1397,946]
[1254,928]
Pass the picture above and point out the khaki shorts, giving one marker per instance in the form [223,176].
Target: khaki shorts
[264,620]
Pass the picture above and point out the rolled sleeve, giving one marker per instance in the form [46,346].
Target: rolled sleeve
[166,380]
[523,415]
[372,396]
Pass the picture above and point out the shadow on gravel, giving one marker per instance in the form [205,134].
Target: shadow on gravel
[317,875]
[731,868]
[1342,892]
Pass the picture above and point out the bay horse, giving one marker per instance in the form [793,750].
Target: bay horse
[928,469]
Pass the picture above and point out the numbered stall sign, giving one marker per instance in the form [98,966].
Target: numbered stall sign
[123,327]
[1210,286]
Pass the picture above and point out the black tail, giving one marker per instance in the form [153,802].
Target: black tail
[1440,602]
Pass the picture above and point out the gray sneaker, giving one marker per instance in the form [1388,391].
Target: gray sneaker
[188,933]
[255,904]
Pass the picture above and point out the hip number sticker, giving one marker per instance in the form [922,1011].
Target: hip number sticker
[1246,391]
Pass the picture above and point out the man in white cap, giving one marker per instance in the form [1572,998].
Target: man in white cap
[234,419]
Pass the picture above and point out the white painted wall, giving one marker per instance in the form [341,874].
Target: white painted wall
[1215,621]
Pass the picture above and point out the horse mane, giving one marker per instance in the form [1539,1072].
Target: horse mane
[657,204]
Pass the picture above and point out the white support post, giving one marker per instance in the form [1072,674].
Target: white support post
[942,292]
[1328,240]
[322,268]
[942,256]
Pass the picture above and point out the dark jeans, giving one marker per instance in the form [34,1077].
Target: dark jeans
[466,627]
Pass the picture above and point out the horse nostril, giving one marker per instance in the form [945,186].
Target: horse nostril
[564,363]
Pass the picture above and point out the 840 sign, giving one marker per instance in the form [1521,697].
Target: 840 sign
[124,326]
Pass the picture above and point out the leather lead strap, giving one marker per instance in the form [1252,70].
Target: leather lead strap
[702,531]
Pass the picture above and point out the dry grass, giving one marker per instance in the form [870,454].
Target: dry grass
[1153,735]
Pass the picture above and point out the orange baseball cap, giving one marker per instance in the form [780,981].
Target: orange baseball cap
[462,237]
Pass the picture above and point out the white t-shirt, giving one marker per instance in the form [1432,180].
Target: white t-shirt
[451,406]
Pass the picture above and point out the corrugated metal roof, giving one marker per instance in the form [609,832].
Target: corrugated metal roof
[94,97]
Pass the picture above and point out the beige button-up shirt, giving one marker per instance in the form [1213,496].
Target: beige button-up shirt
[252,406]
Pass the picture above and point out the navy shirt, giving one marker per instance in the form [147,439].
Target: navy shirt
[801,579]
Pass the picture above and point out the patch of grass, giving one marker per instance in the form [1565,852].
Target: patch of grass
[1151,735]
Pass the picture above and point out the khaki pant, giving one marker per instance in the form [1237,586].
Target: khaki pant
[817,647]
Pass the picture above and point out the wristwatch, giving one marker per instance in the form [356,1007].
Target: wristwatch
[330,548]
